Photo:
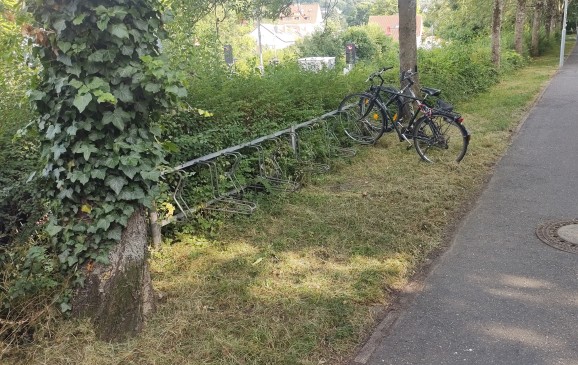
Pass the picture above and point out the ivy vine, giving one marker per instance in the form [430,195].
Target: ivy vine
[101,91]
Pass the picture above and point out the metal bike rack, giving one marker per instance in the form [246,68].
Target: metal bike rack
[270,173]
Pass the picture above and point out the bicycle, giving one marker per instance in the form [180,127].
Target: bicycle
[429,129]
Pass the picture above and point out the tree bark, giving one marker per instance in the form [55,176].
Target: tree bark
[119,296]
[534,48]
[407,35]
[519,27]
[496,32]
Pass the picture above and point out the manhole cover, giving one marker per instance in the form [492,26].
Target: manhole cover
[562,235]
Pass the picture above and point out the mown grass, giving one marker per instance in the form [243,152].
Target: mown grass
[304,280]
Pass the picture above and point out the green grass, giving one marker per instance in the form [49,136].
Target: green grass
[304,280]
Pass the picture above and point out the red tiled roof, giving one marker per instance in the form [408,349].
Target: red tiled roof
[302,14]
[390,24]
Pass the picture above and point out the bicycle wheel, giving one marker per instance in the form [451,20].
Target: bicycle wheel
[363,120]
[440,139]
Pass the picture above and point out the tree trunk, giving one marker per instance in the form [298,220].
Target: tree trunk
[496,32]
[519,27]
[407,35]
[534,48]
[550,17]
[118,297]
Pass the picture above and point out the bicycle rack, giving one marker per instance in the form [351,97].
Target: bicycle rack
[270,172]
[308,166]
[227,201]
[333,143]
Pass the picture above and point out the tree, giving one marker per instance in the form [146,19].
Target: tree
[407,35]
[102,87]
[535,42]
[384,7]
[519,26]
[496,32]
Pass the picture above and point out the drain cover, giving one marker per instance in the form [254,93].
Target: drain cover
[562,235]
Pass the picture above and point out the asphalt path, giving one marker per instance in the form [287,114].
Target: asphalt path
[499,295]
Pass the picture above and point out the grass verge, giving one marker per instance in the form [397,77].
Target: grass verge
[304,280]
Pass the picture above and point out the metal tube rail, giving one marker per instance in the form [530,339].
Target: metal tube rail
[252,143]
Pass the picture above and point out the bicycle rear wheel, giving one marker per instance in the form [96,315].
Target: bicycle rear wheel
[363,119]
[440,139]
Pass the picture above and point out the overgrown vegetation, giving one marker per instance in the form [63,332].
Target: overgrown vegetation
[284,270]
[304,279]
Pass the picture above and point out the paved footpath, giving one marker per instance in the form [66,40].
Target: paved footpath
[499,295]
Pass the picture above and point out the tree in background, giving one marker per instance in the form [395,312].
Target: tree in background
[100,92]
[536,24]
[496,32]
[519,26]
[384,7]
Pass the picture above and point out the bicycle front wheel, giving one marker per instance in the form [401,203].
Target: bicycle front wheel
[362,118]
[440,139]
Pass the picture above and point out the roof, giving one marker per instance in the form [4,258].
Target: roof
[390,24]
[302,14]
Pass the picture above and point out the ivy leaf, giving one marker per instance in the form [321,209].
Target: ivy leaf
[102,23]
[57,150]
[81,101]
[52,131]
[53,229]
[59,26]
[98,173]
[36,95]
[85,148]
[98,83]
[64,46]
[119,30]
[65,59]
[135,193]
[153,175]
[74,69]
[79,19]
[124,94]
[152,87]
[181,92]
[71,131]
[117,118]
[129,171]
[103,224]
[106,98]
[126,71]
[115,234]
[116,183]
[65,307]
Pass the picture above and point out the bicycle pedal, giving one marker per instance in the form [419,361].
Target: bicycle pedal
[409,147]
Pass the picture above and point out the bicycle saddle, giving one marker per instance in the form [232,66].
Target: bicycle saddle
[430,91]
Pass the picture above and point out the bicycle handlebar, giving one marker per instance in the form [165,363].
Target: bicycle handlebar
[378,74]
[408,76]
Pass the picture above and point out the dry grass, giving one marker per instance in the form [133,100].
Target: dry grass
[304,279]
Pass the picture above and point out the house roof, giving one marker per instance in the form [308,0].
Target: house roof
[302,14]
[390,24]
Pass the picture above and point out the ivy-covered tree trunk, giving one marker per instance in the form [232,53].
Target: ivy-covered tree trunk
[99,96]
[119,296]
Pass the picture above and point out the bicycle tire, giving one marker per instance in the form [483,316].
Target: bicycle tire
[363,120]
[440,139]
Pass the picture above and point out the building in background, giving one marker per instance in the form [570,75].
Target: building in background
[390,26]
[303,20]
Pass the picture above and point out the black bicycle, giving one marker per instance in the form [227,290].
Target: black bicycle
[436,132]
